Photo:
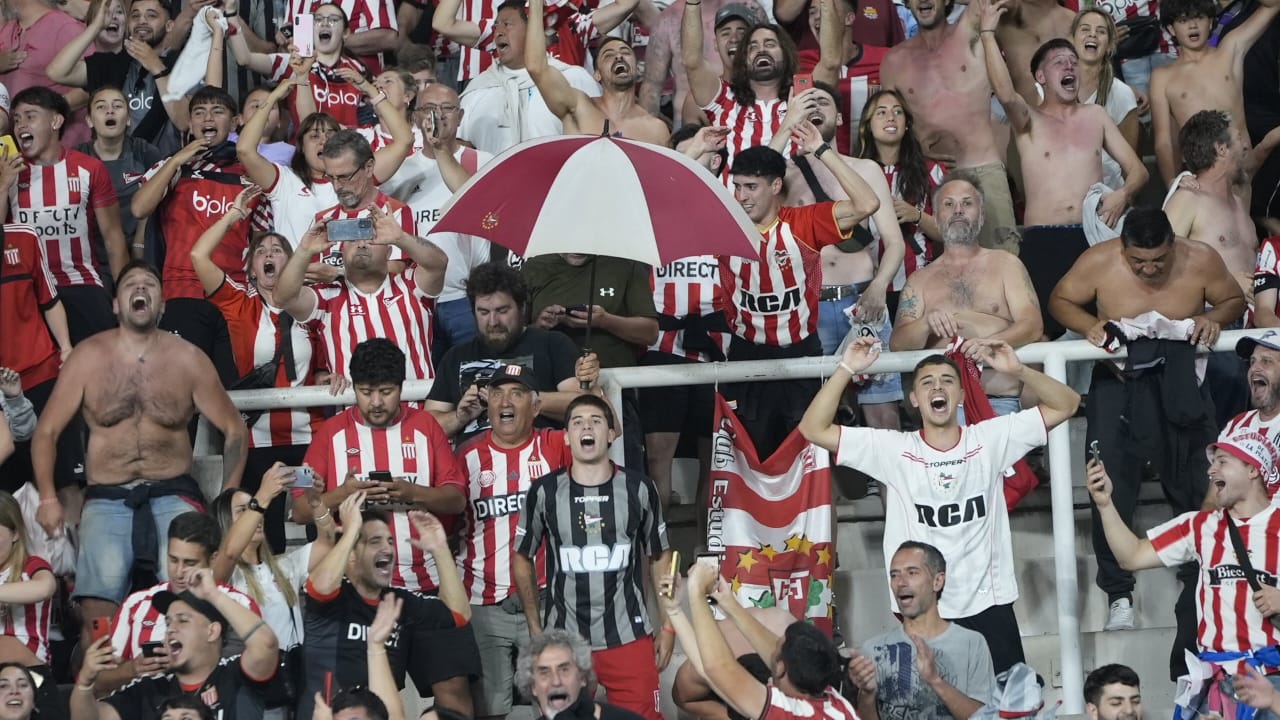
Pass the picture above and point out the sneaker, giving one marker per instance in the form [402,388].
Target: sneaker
[1121,616]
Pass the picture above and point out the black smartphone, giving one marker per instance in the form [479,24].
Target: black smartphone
[151,649]
[380,476]
[576,308]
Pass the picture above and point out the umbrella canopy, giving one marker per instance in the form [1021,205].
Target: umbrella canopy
[595,195]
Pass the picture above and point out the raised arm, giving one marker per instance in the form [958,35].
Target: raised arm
[290,295]
[445,21]
[261,656]
[818,425]
[657,63]
[703,83]
[431,261]
[830,42]
[740,690]
[433,540]
[245,57]
[211,276]
[1131,551]
[152,192]
[788,10]
[560,96]
[1241,39]
[68,66]
[1058,402]
[260,170]
[326,576]
[1015,107]
[607,17]
[381,680]
[862,200]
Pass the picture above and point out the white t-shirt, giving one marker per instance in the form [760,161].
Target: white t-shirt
[952,499]
[286,622]
[504,108]
[1120,102]
[294,205]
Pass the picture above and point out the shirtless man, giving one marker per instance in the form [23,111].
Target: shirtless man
[1147,268]
[1060,140]
[969,292]
[1202,77]
[1028,25]
[137,389]
[616,112]
[942,75]
[862,275]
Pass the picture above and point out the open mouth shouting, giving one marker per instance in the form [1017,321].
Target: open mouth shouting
[1069,82]
[382,563]
[324,36]
[139,302]
[557,699]
[175,652]
[25,140]
[762,61]
[939,403]
[209,132]
[621,67]
[269,269]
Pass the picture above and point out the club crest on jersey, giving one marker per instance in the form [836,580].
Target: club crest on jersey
[487,478]
[11,256]
[870,13]
[944,481]
[782,258]
[353,451]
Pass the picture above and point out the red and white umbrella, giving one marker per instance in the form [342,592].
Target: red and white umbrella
[598,195]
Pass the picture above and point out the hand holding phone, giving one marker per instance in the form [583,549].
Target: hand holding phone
[99,628]
[350,230]
[304,35]
[673,573]
[801,82]
[303,477]
[151,649]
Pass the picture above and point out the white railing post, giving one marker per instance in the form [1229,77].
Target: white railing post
[1066,584]
[613,391]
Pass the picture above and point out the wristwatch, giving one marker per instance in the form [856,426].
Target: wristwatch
[255,506]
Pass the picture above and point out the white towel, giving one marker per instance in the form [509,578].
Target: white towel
[1173,187]
[188,73]
[1096,231]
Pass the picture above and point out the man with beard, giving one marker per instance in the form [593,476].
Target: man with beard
[137,388]
[500,298]
[970,292]
[554,671]
[616,112]
[1113,692]
[941,71]
[371,299]
[138,69]
[1263,356]
[1149,269]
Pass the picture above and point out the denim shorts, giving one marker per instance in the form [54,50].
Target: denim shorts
[105,562]
[833,326]
[1000,405]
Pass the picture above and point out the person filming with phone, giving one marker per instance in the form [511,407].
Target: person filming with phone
[371,299]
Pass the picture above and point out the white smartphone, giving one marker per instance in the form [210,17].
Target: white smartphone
[304,35]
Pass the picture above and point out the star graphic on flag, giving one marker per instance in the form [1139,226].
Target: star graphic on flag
[736,585]
[746,560]
[800,544]
[768,552]
[824,556]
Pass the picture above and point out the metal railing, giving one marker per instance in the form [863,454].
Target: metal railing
[1053,355]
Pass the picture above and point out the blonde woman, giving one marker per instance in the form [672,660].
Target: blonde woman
[1093,33]
[27,587]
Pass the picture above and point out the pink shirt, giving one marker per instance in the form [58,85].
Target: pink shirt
[50,33]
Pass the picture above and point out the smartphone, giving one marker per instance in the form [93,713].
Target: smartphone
[675,568]
[304,35]
[8,148]
[380,476]
[353,230]
[801,82]
[99,628]
[303,477]
[151,649]
[1095,452]
[576,308]
[709,559]
[435,124]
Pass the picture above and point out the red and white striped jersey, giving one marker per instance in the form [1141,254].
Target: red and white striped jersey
[774,300]
[362,15]
[29,623]
[391,206]
[1266,276]
[913,260]
[255,335]
[1228,618]
[684,287]
[414,448]
[333,95]
[398,311]
[138,621]
[27,290]
[1252,421]
[859,80]
[749,126]
[832,706]
[499,479]
[476,60]
[59,201]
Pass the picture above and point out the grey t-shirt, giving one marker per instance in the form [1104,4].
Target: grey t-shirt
[961,656]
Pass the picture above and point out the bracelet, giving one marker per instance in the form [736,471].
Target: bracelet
[824,147]
[919,215]
[846,368]
[379,98]
[49,501]
[252,630]
[327,513]
[993,32]
[377,652]
[162,73]
[85,688]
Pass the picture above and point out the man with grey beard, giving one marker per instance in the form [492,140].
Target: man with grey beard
[1263,356]
[969,292]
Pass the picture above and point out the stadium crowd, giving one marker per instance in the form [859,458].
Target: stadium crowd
[209,195]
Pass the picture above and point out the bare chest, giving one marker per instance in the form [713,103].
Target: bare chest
[130,391]
[971,288]
[1208,84]
[943,83]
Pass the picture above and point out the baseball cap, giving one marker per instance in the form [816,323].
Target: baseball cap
[163,599]
[512,373]
[1248,445]
[733,11]
[1269,339]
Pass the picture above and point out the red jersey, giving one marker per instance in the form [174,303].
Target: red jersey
[414,448]
[138,621]
[859,80]
[919,251]
[201,193]
[255,335]
[749,126]
[333,95]
[361,15]
[29,623]
[26,291]
[499,479]
[689,286]
[774,300]
[1251,421]
[1228,618]
[831,706]
[60,201]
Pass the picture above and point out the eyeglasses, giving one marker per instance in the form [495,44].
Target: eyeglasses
[442,109]
[343,178]
[329,20]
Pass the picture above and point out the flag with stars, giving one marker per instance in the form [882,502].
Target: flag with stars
[772,520]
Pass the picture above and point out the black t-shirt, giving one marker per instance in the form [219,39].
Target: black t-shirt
[228,691]
[148,118]
[137,156]
[549,356]
[430,642]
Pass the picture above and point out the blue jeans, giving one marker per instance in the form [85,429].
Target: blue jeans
[105,562]
[1001,405]
[833,326]
[1137,72]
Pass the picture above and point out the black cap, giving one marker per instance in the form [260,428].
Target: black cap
[1269,339]
[733,11]
[165,598]
[512,373]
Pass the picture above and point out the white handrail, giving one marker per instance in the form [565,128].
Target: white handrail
[1053,355]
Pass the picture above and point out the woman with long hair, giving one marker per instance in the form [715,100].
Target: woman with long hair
[27,587]
[885,135]
[17,692]
[265,342]
[1093,33]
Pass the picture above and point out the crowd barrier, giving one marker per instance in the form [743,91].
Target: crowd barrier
[1054,356]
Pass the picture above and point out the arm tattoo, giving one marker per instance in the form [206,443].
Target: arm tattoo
[908,305]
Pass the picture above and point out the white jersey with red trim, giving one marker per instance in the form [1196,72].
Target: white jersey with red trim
[138,621]
[1229,621]
[59,201]
[28,623]
[379,137]
[749,125]
[682,288]
[398,310]
[415,449]
[919,252]
[1252,421]
[831,706]
[294,206]
[499,479]
[952,498]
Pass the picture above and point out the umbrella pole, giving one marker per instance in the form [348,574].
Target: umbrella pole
[591,297]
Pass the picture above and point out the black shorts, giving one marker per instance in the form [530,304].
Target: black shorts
[1048,252]
[676,408]
[999,627]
